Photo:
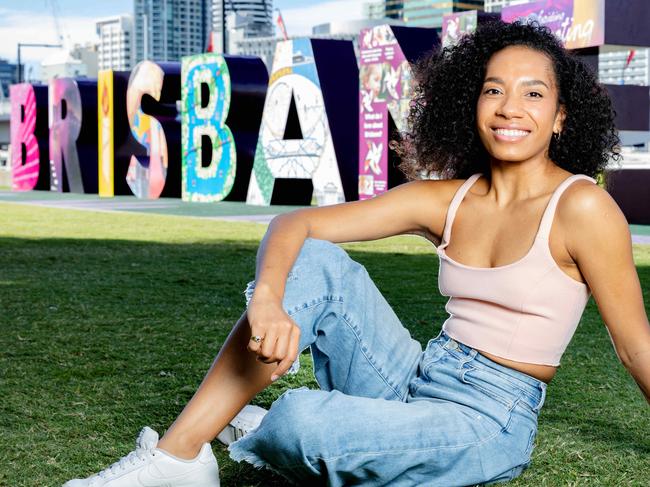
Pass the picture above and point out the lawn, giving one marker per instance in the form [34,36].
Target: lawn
[108,322]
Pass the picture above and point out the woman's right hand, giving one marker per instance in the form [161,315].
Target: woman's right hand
[280,333]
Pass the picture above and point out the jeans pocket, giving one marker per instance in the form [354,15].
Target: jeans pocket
[531,445]
[498,398]
[431,356]
[491,384]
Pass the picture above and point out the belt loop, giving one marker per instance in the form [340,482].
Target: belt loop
[451,344]
[539,405]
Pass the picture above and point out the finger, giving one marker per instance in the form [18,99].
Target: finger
[254,346]
[282,344]
[268,345]
[291,357]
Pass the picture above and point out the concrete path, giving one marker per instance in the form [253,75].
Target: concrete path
[224,210]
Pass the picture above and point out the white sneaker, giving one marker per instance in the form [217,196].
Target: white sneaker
[246,421]
[148,466]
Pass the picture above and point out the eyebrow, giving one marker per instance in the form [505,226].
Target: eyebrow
[531,82]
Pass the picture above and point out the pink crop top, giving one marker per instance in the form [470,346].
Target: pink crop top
[525,311]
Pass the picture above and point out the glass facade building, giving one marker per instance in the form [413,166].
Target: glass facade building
[166,30]
[420,13]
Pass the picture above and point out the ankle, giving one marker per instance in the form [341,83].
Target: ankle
[180,448]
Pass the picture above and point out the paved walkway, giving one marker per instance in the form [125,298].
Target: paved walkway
[224,210]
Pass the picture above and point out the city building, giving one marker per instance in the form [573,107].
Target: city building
[614,69]
[245,19]
[8,76]
[497,5]
[80,61]
[88,55]
[419,13]
[61,64]
[384,9]
[264,47]
[116,49]
[166,30]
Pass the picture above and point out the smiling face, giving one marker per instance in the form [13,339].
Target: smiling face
[517,110]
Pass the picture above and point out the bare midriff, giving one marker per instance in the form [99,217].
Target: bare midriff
[541,372]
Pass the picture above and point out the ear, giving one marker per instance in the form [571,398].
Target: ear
[560,116]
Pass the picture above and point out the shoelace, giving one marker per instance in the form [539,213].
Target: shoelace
[138,455]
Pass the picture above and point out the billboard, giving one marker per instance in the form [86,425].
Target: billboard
[385,87]
[456,24]
[579,23]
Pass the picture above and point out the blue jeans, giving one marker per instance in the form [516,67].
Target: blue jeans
[387,412]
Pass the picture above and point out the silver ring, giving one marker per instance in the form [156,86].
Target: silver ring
[257,338]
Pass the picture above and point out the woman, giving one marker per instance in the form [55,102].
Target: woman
[519,128]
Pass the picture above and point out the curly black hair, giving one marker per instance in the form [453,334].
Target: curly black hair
[442,138]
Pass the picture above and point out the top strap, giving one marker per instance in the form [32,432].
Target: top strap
[453,206]
[547,217]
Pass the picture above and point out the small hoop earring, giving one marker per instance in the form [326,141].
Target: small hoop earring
[556,136]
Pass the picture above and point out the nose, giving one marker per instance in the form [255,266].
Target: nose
[509,107]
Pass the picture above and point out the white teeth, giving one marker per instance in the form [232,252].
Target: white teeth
[511,133]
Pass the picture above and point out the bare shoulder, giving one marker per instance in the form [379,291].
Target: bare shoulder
[584,201]
[433,196]
[440,189]
[590,214]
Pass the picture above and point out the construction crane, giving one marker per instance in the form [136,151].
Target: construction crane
[54,6]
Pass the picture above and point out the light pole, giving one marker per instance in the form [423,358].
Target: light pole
[224,49]
[223,24]
[23,44]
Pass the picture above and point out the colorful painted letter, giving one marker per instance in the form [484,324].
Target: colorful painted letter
[199,119]
[148,173]
[222,101]
[65,126]
[28,162]
[105,132]
[307,153]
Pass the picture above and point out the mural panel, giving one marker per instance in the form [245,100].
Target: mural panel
[386,86]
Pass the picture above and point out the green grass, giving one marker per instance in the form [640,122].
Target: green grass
[109,321]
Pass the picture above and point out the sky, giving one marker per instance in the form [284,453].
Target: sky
[33,20]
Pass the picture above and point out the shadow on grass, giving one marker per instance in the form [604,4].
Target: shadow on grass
[102,337]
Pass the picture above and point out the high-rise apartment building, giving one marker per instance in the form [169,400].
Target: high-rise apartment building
[384,8]
[8,76]
[249,18]
[116,49]
[166,30]
[614,69]
[264,47]
[420,13]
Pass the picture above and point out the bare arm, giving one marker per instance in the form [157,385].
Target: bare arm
[413,207]
[602,247]
[416,207]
